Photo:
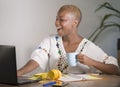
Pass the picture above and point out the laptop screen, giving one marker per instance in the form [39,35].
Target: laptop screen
[8,69]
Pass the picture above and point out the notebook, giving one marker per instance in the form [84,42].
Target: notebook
[8,68]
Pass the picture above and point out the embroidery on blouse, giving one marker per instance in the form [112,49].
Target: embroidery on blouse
[48,56]
[83,47]
[104,61]
[44,51]
[62,63]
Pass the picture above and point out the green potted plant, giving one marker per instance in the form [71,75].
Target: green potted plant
[105,24]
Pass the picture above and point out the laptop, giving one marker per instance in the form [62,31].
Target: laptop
[8,68]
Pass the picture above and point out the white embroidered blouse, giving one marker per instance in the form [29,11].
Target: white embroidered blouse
[51,48]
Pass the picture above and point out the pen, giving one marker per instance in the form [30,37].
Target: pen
[64,84]
[49,83]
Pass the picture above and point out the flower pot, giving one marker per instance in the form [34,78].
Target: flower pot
[118,47]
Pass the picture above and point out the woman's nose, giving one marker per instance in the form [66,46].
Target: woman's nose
[57,23]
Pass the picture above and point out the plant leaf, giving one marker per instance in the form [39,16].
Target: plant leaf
[103,28]
[104,5]
[94,34]
[104,23]
[108,6]
[112,25]
[107,17]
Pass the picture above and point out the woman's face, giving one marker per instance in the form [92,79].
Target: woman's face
[65,23]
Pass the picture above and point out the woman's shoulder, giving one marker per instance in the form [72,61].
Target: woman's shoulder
[52,37]
[92,44]
[88,42]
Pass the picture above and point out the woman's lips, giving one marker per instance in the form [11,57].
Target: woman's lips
[59,28]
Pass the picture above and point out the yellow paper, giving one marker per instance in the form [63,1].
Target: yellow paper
[78,77]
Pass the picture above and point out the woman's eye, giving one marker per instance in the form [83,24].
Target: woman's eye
[62,20]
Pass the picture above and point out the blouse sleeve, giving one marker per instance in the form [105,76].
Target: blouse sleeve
[96,53]
[41,54]
[110,60]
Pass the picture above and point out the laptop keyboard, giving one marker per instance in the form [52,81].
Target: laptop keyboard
[23,79]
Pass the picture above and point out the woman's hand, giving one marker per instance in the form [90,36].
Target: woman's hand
[105,68]
[85,59]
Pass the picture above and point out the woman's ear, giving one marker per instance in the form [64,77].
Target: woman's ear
[76,22]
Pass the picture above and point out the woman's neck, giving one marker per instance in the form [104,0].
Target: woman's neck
[71,43]
[72,39]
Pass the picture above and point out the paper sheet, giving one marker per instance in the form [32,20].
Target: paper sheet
[78,77]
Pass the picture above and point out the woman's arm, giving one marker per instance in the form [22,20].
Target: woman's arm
[105,68]
[30,66]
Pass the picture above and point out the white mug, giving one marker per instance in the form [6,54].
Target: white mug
[71,58]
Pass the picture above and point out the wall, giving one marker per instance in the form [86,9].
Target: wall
[24,23]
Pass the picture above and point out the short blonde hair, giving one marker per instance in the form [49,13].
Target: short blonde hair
[72,9]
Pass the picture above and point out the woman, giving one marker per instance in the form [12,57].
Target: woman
[51,53]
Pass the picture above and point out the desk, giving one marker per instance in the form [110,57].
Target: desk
[107,81]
